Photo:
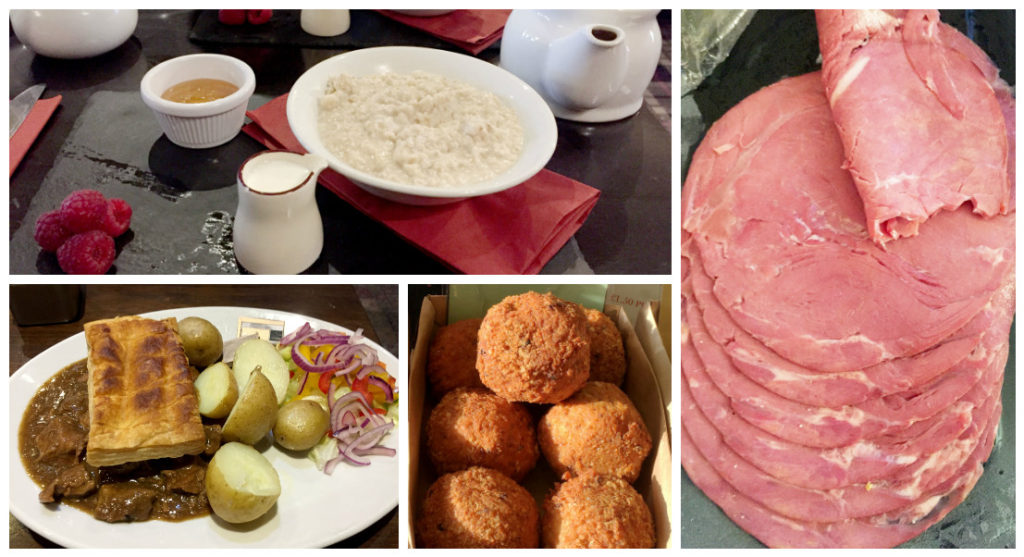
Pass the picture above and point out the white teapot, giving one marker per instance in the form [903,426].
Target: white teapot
[73,33]
[589,65]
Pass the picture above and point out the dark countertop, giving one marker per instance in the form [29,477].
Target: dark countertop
[184,199]
[372,308]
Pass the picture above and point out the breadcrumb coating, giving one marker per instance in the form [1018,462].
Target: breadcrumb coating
[592,511]
[474,427]
[477,507]
[534,348]
[607,355]
[451,362]
[596,429]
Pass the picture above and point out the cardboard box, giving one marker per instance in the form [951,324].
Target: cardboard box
[651,334]
[640,384]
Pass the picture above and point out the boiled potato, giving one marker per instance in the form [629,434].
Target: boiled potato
[241,484]
[202,341]
[254,413]
[258,352]
[217,390]
[301,424]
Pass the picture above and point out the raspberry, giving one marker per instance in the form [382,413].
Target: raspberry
[50,233]
[119,217]
[258,17]
[88,253]
[83,210]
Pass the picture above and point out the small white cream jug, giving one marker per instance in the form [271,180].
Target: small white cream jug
[277,227]
[589,65]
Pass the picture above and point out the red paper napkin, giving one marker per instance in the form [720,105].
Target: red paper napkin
[515,231]
[472,30]
[30,128]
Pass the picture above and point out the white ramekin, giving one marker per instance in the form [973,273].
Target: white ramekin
[199,125]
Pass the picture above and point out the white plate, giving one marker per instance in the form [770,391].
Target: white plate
[539,129]
[314,510]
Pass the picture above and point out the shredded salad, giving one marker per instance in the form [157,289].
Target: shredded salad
[347,378]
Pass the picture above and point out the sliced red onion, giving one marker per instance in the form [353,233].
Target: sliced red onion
[347,434]
[356,408]
[357,336]
[353,459]
[382,451]
[301,332]
[355,426]
[305,364]
[371,436]
[302,380]
[354,395]
[357,429]
[331,464]
[370,368]
[324,337]
[389,395]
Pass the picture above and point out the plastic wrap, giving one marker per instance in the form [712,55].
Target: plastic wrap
[706,37]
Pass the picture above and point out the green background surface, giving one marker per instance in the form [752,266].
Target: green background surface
[473,300]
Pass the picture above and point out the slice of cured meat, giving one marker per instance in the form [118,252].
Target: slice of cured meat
[817,388]
[854,501]
[826,427]
[915,455]
[775,530]
[920,123]
[780,230]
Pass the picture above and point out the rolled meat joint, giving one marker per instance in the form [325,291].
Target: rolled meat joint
[915,105]
[841,366]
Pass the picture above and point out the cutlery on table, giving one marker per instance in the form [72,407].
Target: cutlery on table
[22,105]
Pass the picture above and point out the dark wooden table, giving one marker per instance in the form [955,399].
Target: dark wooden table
[338,304]
[102,137]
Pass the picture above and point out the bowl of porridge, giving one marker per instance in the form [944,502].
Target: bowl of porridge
[422,126]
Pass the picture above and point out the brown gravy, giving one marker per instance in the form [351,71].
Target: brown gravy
[201,90]
[51,441]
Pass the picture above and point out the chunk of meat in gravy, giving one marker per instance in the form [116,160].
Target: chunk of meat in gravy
[52,440]
[124,503]
[77,481]
[189,479]
[61,440]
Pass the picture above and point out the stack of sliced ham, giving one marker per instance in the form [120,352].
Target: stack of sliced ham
[848,287]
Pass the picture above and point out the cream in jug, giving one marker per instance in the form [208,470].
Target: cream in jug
[277,226]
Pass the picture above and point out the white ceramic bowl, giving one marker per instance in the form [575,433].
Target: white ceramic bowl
[73,33]
[539,130]
[199,125]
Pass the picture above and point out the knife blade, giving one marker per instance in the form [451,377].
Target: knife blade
[22,105]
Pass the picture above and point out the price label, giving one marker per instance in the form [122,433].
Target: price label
[270,330]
